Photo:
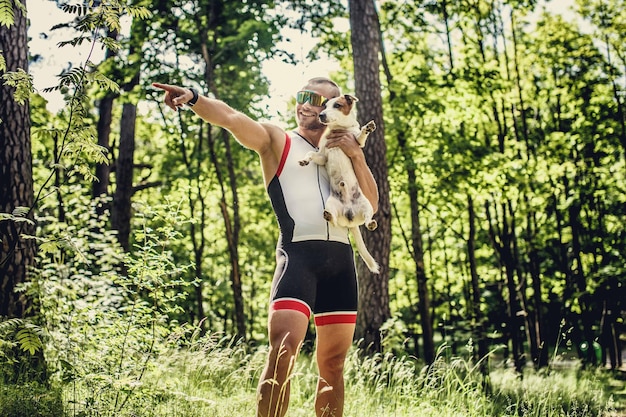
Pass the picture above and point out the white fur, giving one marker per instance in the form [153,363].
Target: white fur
[346,205]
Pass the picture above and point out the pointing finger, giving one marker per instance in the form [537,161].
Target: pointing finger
[166,87]
[172,94]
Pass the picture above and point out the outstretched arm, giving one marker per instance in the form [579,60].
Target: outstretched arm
[247,131]
[266,139]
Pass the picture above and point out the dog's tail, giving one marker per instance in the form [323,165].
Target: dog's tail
[369,260]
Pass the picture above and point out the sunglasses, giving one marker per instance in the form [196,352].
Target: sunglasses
[314,99]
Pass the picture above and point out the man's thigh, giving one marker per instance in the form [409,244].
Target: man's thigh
[334,341]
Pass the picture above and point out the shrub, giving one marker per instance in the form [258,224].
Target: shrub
[31,400]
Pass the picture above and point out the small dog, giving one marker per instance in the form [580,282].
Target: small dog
[346,205]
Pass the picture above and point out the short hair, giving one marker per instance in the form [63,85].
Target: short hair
[323,80]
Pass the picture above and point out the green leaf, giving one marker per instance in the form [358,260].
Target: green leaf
[29,340]
[7,15]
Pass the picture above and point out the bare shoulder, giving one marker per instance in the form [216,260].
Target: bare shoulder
[276,138]
[271,153]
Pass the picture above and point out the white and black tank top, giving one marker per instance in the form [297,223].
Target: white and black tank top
[298,195]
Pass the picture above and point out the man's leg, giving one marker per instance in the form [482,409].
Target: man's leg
[333,343]
[286,329]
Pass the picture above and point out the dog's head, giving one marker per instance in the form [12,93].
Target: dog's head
[340,111]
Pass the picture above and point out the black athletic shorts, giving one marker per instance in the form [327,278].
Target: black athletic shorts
[316,277]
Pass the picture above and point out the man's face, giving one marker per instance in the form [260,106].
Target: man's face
[309,105]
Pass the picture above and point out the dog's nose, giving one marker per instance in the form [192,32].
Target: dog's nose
[323,117]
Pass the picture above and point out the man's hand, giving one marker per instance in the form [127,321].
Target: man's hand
[346,141]
[175,96]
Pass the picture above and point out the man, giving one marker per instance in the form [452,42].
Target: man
[315,272]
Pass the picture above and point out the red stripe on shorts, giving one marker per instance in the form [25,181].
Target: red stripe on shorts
[340,318]
[292,304]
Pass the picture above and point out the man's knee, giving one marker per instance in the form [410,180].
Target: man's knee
[284,347]
[331,364]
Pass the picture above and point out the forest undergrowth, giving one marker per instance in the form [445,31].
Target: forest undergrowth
[216,377]
[112,350]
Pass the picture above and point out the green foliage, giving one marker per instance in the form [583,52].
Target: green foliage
[92,16]
[7,11]
[29,338]
[20,341]
[18,215]
[20,333]
[113,337]
[22,82]
[30,400]
[7,16]
[82,77]
[108,314]
[216,376]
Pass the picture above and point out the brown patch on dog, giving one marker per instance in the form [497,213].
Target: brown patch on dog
[345,103]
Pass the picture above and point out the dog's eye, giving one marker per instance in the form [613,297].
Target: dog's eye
[337,105]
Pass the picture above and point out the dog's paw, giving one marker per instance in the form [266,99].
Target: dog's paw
[304,162]
[327,216]
[372,225]
[370,127]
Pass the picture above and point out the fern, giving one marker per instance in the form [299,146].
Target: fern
[139,12]
[23,83]
[18,215]
[10,324]
[29,338]
[27,335]
[7,15]
[77,9]
[104,82]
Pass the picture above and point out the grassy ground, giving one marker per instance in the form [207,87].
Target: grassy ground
[219,380]
[216,381]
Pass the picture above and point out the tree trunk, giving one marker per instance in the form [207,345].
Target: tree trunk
[373,289]
[105,107]
[503,245]
[477,316]
[124,167]
[233,233]
[580,283]
[121,213]
[17,253]
[232,228]
[535,317]
[197,210]
[420,272]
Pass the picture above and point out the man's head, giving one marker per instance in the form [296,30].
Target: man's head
[310,101]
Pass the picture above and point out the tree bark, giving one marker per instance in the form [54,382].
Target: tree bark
[17,255]
[17,252]
[420,270]
[105,107]
[121,213]
[477,315]
[373,289]
[502,235]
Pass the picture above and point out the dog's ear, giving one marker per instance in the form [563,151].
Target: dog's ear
[350,99]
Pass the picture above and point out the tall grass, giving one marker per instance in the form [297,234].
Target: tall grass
[217,378]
